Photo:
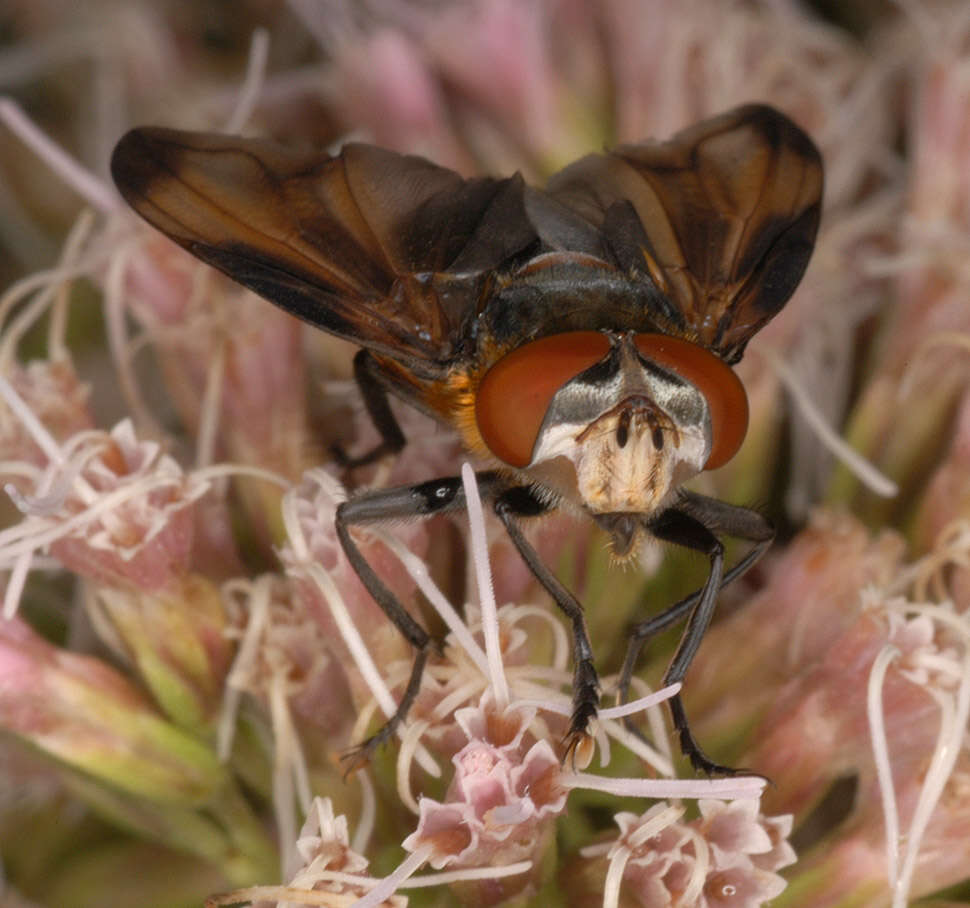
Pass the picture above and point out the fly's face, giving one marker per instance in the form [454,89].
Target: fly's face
[611,422]
[632,432]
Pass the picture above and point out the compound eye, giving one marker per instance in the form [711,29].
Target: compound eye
[715,379]
[516,392]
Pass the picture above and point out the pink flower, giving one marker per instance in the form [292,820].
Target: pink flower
[54,394]
[718,859]
[111,508]
[498,812]
[329,590]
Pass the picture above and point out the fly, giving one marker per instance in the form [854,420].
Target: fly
[579,338]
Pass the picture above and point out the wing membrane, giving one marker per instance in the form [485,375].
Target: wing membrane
[722,218]
[351,242]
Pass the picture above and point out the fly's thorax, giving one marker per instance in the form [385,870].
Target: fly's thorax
[632,431]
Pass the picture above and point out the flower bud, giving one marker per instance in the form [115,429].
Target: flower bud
[89,717]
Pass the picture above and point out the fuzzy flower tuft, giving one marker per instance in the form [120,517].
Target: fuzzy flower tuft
[502,798]
[332,872]
[52,392]
[109,507]
[726,857]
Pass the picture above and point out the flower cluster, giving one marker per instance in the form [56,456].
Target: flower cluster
[189,661]
[727,856]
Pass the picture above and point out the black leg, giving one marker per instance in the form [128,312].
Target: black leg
[693,523]
[374,393]
[426,499]
[439,496]
[519,502]
[645,630]
[444,496]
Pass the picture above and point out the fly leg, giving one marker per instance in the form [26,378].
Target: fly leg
[439,496]
[427,499]
[374,393]
[519,502]
[645,630]
[694,523]
[442,496]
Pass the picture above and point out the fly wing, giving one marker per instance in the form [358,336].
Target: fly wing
[721,219]
[355,243]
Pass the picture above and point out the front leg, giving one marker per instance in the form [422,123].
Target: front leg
[694,523]
[424,500]
[518,502]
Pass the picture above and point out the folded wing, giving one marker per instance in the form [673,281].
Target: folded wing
[722,218]
[350,242]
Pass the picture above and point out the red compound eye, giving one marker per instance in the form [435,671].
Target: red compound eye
[715,379]
[515,393]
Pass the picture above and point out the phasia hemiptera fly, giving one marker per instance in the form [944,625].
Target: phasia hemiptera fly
[579,338]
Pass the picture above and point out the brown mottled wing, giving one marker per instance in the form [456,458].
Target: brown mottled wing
[722,219]
[355,243]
